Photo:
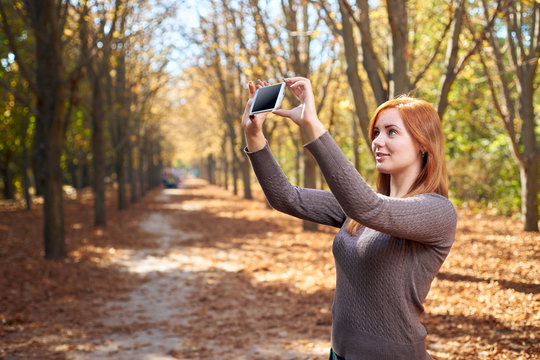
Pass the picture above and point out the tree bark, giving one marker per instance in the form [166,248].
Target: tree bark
[355,82]
[450,61]
[25,166]
[399,57]
[50,107]
[210,163]
[369,57]
[7,175]
[531,154]
[133,194]
[50,119]
[121,126]
[98,150]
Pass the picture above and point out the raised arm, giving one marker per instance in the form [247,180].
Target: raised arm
[427,218]
[308,204]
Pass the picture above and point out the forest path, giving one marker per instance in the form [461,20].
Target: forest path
[148,311]
[154,320]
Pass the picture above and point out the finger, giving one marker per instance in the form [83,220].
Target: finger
[297,88]
[251,89]
[258,119]
[296,79]
[282,112]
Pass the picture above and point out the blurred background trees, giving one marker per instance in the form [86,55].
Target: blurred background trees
[99,93]
[71,76]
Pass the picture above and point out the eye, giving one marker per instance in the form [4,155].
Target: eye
[392,132]
[376,132]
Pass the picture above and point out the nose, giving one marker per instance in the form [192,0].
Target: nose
[377,142]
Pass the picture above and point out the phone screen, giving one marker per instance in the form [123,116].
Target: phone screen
[266,98]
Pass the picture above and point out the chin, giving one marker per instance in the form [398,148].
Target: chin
[382,170]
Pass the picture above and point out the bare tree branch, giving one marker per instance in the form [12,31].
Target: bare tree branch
[483,35]
[437,49]
[364,35]
[328,18]
[504,116]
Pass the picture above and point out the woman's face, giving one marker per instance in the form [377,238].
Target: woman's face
[396,152]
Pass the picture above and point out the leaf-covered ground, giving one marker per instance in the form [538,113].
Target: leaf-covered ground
[198,273]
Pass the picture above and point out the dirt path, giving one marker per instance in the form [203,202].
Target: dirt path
[155,320]
[150,308]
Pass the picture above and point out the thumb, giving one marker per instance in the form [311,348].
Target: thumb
[282,112]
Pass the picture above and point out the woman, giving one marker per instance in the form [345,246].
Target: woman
[392,242]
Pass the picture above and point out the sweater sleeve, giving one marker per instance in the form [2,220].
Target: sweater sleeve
[426,218]
[309,204]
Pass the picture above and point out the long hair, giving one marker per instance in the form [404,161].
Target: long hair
[423,123]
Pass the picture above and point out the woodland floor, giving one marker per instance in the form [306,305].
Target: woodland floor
[198,273]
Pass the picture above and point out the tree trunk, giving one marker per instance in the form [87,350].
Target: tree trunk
[120,168]
[121,130]
[38,159]
[399,59]
[98,150]
[225,164]
[50,120]
[234,169]
[157,169]
[53,219]
[245,168]
[142,165]
[369,58]
[246,178]
[529,195]
[211,167]
[81,160]
[450,61]
[26,178]
[355,83]
[7,176]
[132,173]
[529,170]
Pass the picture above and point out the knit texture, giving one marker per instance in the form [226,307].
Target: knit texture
[385,270]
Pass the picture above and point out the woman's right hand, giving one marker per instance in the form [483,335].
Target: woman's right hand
[252,125]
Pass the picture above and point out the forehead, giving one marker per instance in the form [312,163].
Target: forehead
[389,117]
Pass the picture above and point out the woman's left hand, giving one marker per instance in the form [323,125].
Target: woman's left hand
[305,114]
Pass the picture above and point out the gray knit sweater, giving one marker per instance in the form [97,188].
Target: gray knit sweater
[384,272]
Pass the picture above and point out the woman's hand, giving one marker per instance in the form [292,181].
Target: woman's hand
[252,125]
[305,114]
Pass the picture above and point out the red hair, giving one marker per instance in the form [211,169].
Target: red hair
[424,125]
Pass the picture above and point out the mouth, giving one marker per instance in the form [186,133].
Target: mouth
[380,155]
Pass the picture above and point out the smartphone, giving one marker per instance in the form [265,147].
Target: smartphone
[268,98]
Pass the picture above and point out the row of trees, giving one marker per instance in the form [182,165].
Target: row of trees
[80,83]
[88,96]
[475,60]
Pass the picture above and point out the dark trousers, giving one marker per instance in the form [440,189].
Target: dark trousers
[334,356]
